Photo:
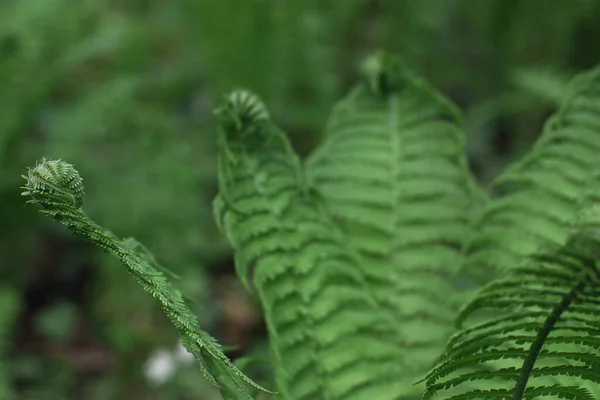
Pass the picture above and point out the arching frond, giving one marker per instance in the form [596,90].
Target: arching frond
[58,188]
[393,172]
[325,330]
[535,201]
[533,333]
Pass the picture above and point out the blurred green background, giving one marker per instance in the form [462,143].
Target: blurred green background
[125,91]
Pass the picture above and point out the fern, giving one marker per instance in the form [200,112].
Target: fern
[393,172]
[327,337]
[33,68]
[355,263]
[533,329]
[535,201]
[58,188]
[547,85]
[544,325]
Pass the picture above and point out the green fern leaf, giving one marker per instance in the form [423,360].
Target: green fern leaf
[325,329]
[537,324]
[545,84]
[58,188]
[393,172]
[535,201]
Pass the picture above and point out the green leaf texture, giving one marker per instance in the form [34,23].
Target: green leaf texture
[58,188]
[535,201]
[326,332]
[393,173]
[533,333]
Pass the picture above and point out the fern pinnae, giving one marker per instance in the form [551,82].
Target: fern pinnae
[551,330]
[392,171]
[324,327]
[535,201]
[542,335]
[58,188]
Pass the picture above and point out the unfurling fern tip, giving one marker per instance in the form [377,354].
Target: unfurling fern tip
[54,182]
[58,187]
[241,111]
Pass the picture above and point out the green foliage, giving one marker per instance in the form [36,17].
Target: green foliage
[391,185]
[534,202]
[9,308]
[124,91]
[541,322]
[545,85]
[328,339]
[357,256]
[393,173]
[58,188]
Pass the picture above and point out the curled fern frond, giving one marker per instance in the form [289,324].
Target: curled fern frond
[535,201]
[533,333]
[241,111]
[57,186]
[325,329]
[54,181]
[393,173]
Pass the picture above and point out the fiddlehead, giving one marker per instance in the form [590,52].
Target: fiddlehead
[55,181]
[57,186]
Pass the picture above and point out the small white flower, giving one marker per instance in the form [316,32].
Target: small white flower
[160,366]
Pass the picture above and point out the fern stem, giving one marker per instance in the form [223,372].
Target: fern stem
[57,186]
[542,335]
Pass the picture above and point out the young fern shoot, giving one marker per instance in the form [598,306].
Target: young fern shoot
[328,337]
[58,188]
[393,173]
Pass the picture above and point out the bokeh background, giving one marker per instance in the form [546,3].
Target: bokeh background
[124,89]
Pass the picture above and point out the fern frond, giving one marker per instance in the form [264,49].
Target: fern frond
[325,330]
[393,172]
[545,84]
[58,188]
[535,201]
[537,324]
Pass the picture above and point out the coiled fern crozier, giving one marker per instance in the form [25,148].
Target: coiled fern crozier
[356,256]
[58,188]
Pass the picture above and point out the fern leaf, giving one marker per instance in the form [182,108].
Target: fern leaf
[393,173]
[535,201]
[536,324]
[325,329]
[547,85]
[58,188]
